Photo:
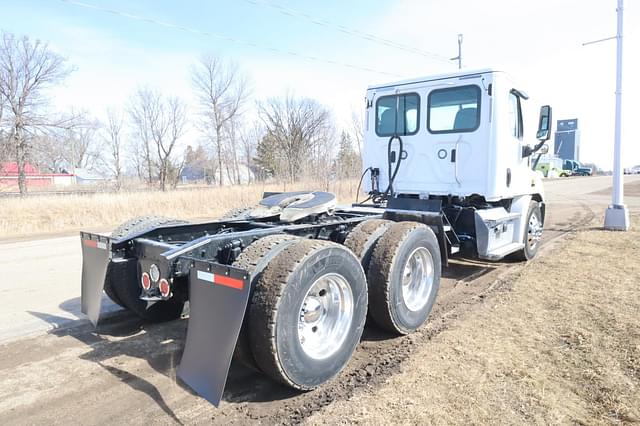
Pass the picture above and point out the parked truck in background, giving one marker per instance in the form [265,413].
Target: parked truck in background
[285,287]
[551,167]
[574,168]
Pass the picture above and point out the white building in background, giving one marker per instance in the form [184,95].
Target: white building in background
[88,177]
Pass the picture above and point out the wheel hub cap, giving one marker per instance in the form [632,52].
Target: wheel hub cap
[534,231]
[325,316]
[417,279]
[313,310]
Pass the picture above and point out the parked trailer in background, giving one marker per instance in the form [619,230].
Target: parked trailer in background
[285,286]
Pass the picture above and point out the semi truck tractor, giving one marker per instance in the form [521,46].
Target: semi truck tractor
[574,168]
[285,287]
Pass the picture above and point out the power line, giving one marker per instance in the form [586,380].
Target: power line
[349,31]
[225,38]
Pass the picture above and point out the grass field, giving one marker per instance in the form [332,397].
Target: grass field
[560,343]
[20,217]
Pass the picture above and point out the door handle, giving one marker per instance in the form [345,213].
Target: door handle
[455,160]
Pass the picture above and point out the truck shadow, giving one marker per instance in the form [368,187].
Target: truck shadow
[161,346]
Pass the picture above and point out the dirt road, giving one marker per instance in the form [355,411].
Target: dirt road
[54,368]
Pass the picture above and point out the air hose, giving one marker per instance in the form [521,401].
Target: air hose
[382,197]
[392,176]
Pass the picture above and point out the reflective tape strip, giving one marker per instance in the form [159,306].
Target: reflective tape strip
[205,276]
[220,280]
[95,244]
[229,282]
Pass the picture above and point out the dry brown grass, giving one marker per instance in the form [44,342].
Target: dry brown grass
[560,344]
[55,214]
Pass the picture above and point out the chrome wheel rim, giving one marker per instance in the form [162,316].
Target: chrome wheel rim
[417,279]
[325,316]
[534,231]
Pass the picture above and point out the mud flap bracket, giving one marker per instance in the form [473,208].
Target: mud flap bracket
[218,296]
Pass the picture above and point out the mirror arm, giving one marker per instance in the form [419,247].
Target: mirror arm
[528,151]
[535,163]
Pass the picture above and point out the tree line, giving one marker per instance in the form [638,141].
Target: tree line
[240,139]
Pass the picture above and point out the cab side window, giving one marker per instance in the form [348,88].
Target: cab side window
[515,116]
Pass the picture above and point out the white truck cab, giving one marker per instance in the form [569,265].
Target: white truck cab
[460,138]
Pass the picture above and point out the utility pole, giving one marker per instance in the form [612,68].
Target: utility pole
[617,215]
[459,57]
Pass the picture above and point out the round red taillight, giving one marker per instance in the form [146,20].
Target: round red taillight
[146,281]
[164,288]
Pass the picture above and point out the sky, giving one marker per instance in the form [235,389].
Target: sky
[538,42]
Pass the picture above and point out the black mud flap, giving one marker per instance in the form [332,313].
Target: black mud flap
[96,255]
[218,297]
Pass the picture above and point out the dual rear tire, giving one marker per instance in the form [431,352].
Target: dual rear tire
[307,310]
[404,277]
[310,298]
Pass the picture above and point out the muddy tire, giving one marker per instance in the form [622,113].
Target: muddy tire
[533,232]
[254,259]
[363,238]
[404,277]
[308,313]
[119,286]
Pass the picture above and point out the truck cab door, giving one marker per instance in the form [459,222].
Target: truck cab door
[393,134]
[453,119]
[517,173]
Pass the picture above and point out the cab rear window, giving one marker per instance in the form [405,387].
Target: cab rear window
[454,109]
[398,115]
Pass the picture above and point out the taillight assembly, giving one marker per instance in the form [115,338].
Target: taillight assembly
[146,281]
[164,287]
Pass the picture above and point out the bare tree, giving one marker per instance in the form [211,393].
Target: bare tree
[80,144]
[113,139]
[48,152]
[3,136]
[296,127]
[249,139]
[221,93]
[27,69]
[142,116]
[357,130]
[160,122]
[232,150]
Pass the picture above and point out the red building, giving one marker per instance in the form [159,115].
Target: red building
[9,176]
